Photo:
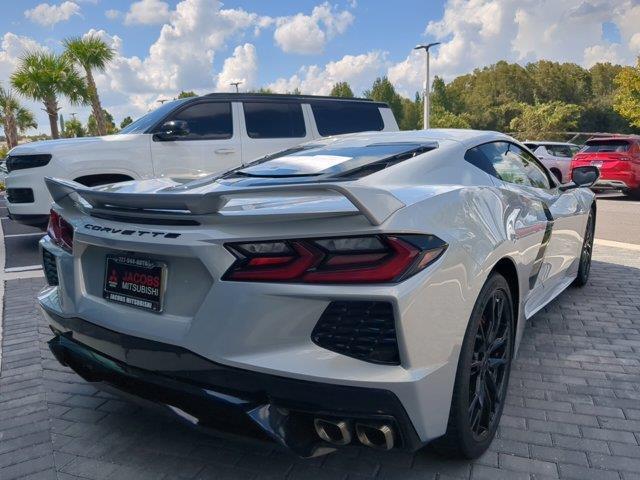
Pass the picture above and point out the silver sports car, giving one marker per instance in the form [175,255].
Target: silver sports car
[364,289]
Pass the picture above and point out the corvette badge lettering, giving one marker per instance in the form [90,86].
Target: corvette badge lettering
[138,233]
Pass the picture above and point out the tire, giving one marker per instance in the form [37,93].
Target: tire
[473,420]
[586,252]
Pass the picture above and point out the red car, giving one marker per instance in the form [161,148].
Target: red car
[618,158]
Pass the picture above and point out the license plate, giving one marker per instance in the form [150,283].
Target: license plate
[134,281]
[596,164]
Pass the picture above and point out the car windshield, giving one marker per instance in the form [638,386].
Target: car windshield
[145,122]
[594,146]
[317,160]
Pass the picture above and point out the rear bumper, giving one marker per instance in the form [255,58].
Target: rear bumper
[211,395]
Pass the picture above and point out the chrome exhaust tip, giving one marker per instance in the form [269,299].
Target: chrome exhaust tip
[375,436]
[335,432]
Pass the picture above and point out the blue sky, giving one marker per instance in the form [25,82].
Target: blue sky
[164,46]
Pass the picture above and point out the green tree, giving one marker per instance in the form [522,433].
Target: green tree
[44,76]
[565,82]
[545,120]
[73,128]
[411,114]
[187,94]
[8,111]
[627,94]
[126,121]
[25,120]
[603,76]
[341,89]
[92,125]
[91,53]
[383,91]
[441,118]
[14,118]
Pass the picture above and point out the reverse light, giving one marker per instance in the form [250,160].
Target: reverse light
[60,231]
[361,259]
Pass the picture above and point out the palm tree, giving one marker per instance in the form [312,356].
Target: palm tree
[91,53]
[25,120]
[8,109]
[44,76]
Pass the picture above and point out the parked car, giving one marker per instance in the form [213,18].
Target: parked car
[618,158]
[369,289]
[184,138]
[556,156]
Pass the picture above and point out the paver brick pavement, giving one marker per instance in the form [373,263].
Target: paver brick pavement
[573,409]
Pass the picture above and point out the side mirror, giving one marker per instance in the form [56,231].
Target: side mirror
[582,177]
[172,130]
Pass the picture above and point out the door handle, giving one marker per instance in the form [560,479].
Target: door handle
[225,151]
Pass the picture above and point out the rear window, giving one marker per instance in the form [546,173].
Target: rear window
[593,146]
[336,118]
[274,120]
[560,150]
[323,160]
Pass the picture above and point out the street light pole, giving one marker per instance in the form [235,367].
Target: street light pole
[426,100]
[235,84]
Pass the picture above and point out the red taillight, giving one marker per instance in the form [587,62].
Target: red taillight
[364,259]
[60,231]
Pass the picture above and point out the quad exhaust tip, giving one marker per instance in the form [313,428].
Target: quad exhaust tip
[332,431]
[375,436]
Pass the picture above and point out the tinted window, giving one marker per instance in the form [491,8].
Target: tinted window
[147,121]
[509,163]
[207,121]
[531,146]
[335,118]
[536,173]
[274,120]
[560,150]
[606,146]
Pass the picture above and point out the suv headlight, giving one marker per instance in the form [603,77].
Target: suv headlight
[18,162]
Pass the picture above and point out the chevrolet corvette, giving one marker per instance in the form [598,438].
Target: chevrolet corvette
[367,289]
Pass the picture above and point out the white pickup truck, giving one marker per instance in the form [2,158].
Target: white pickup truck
[185,138]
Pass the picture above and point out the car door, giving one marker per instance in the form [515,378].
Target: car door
[213,143]
[560,245]
[270,126]
[539,217]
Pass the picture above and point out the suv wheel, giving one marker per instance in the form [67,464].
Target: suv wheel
[483,373]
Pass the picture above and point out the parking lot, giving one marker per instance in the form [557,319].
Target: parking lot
[573,407]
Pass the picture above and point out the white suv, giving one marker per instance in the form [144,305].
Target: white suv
[185,138]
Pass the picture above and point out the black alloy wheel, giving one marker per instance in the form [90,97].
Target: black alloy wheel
[586,253]
[482,377]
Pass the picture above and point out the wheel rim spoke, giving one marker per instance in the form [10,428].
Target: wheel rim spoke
[489,364]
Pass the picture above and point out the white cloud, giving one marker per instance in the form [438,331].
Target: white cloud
[475,33]
[358,70]
[308,34]
[242,67]
[49,15]
[147,12]
[182,56]
[112,14]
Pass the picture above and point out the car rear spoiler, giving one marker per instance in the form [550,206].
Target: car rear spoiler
[375,204]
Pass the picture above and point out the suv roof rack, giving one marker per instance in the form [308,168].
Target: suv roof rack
[284,96]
